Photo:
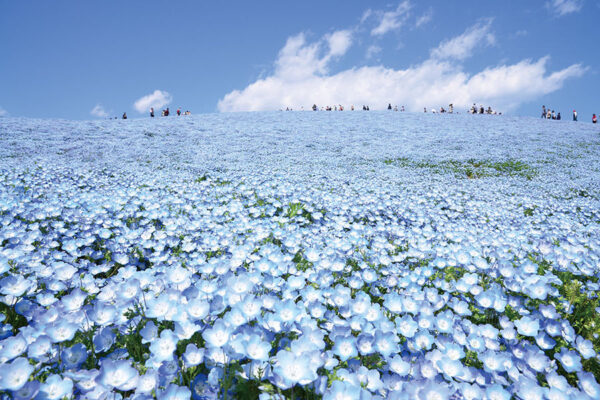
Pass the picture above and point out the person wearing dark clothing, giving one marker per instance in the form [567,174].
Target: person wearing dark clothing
[167,112]
[558,117]
[178,112]
[574,115]
[314,107]
[543,111]
[389,106]
[124,115]
[152,112]
[594,119]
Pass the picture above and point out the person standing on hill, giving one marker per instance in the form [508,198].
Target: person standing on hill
[594,119]
[152,112]
[389,106]
[178,112]
[574,115]
[124,115]
[543,111]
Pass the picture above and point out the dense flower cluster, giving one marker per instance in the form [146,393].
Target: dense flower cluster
[300,255]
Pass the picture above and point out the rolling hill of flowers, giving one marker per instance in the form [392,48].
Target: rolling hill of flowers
[353,255]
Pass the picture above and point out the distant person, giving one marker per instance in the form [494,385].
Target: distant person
[352,107]
[424,109]
[594,119]
[124,115]
[402,109]
[558,117]
[480,109]
[450,108]
[314,107]
[178,112]
[167,112]
[574,115]
[549,114]
[553,115]
[543,111]
[395,108]
[151,112]
[389,106]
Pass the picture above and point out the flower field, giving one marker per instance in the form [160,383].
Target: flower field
[300,255]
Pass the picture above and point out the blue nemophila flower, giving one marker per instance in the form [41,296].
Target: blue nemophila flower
[291,369]
[174,392]
[202,390]
[61,331]
[162,349]
[118,374]
[104,340]
[15,374]
[28,391]
[73,357]
[585,347]
[193,355]
[12,347]
[527,326]
[344,347]
[55,388]
[588,384]
[343,390]
[217,335]
[570,360]
[496,392]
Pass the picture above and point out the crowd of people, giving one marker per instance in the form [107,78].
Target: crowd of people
[550,114]
[166,112]
[450,110]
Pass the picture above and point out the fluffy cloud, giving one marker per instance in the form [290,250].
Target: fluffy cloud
[392,20]
[564,7]
[99,111]
[301,78]
[425,18]
[461,47]
[3,112]
[157,99]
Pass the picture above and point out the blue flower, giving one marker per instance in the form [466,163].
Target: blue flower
[193,356]
[291,369]
[162,349]
[345,347]
[73,357]
[585,347]
[175,392]
[527,326]
[118,374]
[342,390]
[588,384]
[217,335]
[14,375]
[496,392]
[570,360]
[55,388]
[61,331]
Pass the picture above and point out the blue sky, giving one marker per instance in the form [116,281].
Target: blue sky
[86,60]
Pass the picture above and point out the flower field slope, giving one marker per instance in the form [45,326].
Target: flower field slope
[350,255]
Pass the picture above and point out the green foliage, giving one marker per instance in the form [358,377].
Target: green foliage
[471,169]
[13,318]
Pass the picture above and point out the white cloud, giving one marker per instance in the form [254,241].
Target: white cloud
[3,112]
[157,99]
[372,51]
[461,47]
[564,7]
[392,20]
[301,78]
[99,111]
[425,18]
